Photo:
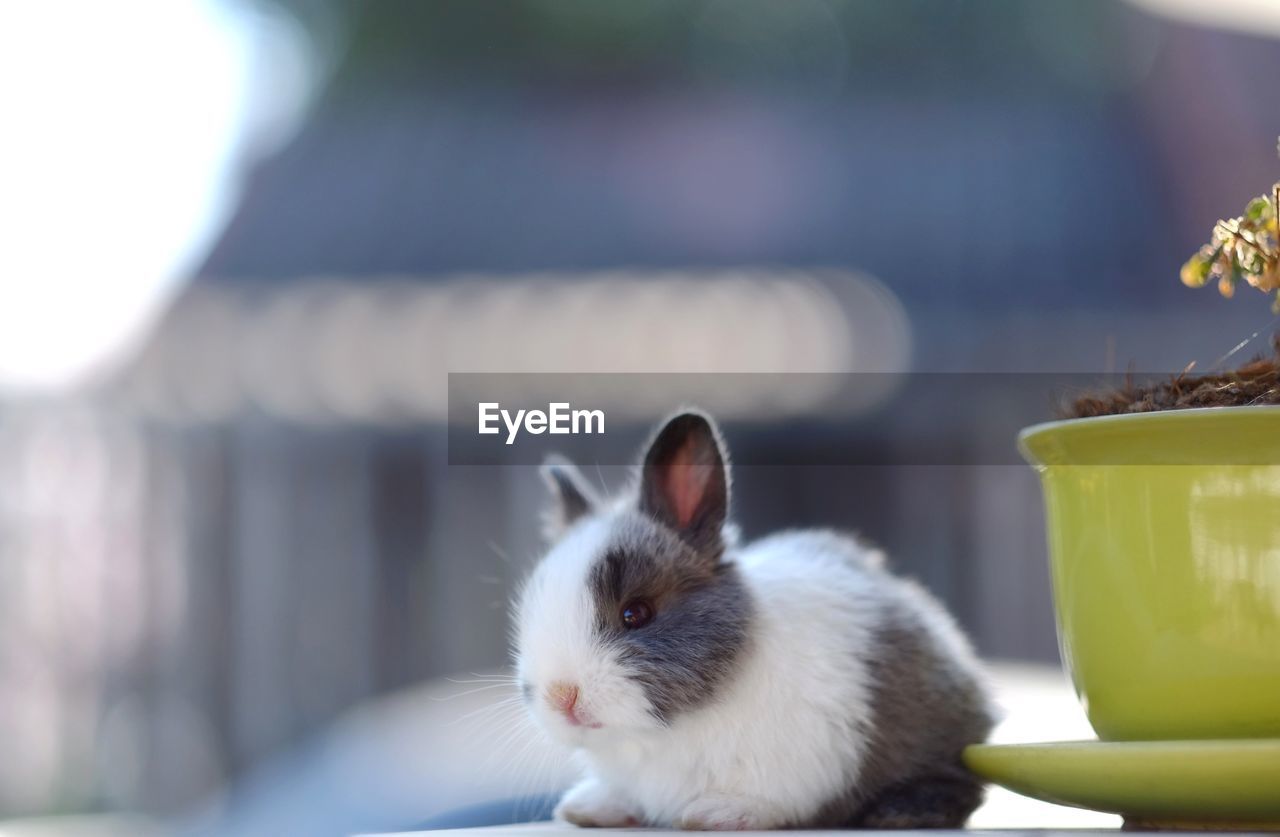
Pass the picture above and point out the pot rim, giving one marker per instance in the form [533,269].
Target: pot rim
[1243,435]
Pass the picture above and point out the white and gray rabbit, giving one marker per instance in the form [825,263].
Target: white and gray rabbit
[791,682]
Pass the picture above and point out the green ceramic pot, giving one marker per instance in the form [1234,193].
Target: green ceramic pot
[1164,538]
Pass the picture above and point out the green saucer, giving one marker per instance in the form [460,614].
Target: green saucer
[1156,784]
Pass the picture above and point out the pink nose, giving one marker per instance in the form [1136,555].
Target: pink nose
[563,697]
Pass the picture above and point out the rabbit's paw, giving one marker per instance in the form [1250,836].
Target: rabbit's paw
[593,804]
[723,812]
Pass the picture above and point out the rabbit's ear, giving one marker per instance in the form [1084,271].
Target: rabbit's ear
[572,497]
[684,480]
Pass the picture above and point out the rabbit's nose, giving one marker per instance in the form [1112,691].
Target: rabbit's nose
[562,696]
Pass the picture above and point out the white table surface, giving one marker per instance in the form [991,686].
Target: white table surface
[557,830]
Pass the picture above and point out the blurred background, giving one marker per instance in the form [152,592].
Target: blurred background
[244,242]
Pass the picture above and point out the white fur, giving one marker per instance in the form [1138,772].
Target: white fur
[555,641]
[787,734]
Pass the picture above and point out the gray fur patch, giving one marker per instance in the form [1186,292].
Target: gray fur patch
[925,802]
[925,709]
[701,608]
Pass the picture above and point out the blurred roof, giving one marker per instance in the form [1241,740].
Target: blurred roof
[381,351]
[432,182]
[979,155]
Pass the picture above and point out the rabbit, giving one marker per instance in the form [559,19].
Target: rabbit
[787,683]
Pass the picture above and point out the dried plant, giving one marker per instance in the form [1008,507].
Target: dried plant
[1244,249]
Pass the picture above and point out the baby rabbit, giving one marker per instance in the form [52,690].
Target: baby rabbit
[791,682]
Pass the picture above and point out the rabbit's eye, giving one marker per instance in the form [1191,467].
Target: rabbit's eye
[636,614]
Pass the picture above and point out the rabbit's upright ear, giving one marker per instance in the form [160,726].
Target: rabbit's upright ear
[571,497]
[684,481]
